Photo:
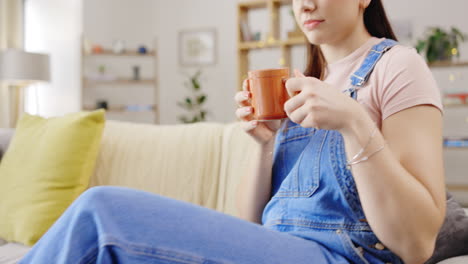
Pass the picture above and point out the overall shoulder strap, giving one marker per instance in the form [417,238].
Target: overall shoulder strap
[360,77]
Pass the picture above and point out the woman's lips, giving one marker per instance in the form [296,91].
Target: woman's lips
[312,23]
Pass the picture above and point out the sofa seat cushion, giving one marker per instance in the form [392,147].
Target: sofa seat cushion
[12,253]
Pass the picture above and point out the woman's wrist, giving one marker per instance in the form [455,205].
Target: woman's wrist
[358,126]
[267,147]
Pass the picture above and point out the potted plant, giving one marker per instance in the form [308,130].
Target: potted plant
[194,102]
[440,45]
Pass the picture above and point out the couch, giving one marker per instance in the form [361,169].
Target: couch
[199,163]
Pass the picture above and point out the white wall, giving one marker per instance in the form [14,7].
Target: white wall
[53,27]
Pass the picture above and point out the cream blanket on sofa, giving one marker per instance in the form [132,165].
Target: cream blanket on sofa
[198,163]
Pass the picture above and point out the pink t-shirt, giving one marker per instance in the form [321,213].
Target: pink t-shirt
[400,79]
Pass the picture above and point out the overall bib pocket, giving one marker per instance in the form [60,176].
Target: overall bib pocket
[300,150]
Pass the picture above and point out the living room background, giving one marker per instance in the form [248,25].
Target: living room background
[56,27]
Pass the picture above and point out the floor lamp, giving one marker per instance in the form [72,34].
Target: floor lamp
[19,69]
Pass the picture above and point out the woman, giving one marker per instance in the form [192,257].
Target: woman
[353,175]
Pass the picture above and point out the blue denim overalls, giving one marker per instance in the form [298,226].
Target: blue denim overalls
[314,194]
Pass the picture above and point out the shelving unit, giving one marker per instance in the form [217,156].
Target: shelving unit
[273,36]
[124,108]
[119,82]
[448,64]
[455,155]
[122,90]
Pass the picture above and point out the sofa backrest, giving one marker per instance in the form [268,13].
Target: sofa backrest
[198,163]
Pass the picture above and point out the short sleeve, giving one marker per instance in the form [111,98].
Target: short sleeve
[406,81]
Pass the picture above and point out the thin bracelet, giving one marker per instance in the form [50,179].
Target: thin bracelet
[354,162]
[365,147]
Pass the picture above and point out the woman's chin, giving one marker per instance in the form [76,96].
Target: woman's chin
[315,39]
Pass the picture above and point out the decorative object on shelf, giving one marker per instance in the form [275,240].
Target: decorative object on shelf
[87,46]
[118,47]
[97,49]
[245,31]
[136,73]
[257,36]
[139,108]
[102,69]
[197,47]
[455,142]
[194,102]
[20,69]
[142,49]
[462,97]
[102,104]
[440,45]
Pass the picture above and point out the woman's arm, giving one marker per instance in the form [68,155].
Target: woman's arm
[254,189]
[401,188]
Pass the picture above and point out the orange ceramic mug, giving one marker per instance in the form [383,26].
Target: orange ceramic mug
[268,89]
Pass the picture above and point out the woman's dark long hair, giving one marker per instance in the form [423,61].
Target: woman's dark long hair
[376,23]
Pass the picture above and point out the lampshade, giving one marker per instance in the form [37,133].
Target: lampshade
[18,66]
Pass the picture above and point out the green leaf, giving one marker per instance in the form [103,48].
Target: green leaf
[201,99]
[420,46]
[183,119]
[188,100]
[195,84]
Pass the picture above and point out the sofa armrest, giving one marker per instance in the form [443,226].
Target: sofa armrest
[5,138]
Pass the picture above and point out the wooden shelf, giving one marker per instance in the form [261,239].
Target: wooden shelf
[457,187]
[295,41]
[271,44]
[456,148]
[121,82]
[256,4]
[253,4]
[455,105]
[123,54]
[123,109]
[444,64]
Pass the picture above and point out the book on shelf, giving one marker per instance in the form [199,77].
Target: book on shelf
[456,142]
[245,31]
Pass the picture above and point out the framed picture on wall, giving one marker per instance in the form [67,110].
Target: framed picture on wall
[197,47]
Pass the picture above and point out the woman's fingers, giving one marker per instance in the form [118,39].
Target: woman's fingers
[244,113]
[249,126]
[242,98]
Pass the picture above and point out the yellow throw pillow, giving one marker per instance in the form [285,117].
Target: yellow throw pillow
[46,167]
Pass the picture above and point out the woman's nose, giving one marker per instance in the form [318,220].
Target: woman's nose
[306,5]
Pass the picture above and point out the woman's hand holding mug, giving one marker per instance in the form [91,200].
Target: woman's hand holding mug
[262,131]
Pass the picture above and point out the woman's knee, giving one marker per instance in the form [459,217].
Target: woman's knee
[98,194]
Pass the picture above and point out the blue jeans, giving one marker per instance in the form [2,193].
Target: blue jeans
[120,225]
